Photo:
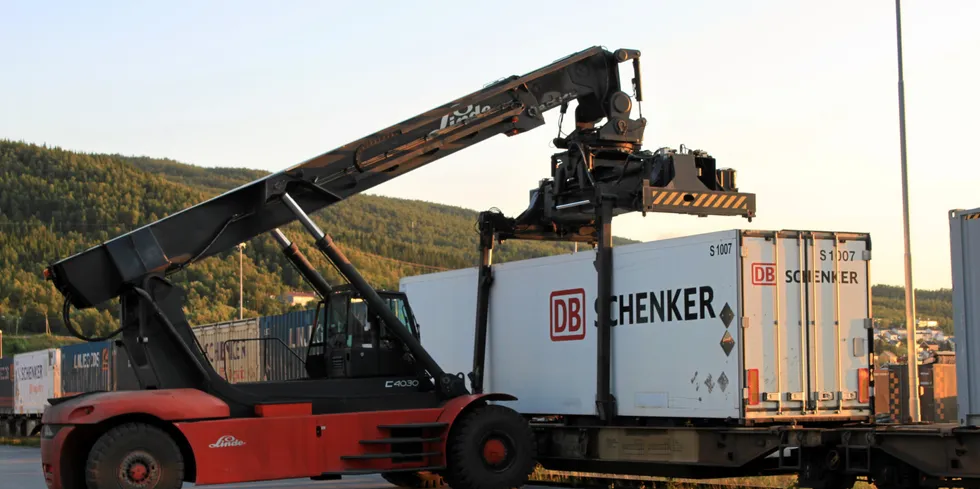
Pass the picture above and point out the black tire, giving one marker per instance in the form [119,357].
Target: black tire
[490,447]
[135,456]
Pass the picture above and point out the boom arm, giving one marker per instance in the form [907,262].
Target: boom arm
[510,106]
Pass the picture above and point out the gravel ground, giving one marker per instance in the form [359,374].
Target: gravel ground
[20,468]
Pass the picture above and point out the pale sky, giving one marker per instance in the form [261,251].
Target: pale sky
[799,97]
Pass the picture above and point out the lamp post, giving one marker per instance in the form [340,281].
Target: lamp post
[912,363]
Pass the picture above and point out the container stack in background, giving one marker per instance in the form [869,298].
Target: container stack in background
[937,390]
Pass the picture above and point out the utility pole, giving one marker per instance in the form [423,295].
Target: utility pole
[913,357]
[241,281]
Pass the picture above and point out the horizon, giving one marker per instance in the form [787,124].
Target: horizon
[800,100]
[176,162]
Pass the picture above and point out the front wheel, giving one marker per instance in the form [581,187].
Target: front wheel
[492,447]
[135,456]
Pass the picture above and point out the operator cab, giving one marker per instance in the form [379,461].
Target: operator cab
[349,341]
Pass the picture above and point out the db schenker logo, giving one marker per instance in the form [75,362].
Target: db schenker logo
[567,315]
[763,274]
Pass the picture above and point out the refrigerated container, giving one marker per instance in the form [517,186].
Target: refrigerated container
[233,349]
[964,230]
[86,367]
[6,385]
[37,379]
[753,326]
[285,339]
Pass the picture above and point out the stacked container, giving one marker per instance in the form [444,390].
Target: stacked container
[233,348]
[87,367]
[937,393]
[6,386]
[38,378]
[882,394]
[964,228]
[285,339]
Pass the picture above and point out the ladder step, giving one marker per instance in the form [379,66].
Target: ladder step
[385,441]
[429,468]
[375,456]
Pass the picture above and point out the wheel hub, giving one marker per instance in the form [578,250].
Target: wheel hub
[139,470]
[494,452]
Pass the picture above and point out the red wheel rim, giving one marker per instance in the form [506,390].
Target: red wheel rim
[494,452]
[138,472]
[139,469]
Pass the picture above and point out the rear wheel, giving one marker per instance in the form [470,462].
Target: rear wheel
[135,456]
[492,447]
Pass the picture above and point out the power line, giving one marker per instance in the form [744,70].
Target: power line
[395,260]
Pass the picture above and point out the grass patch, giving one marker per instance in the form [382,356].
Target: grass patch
[31,441]
[13,345]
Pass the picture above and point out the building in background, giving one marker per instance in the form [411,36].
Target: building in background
[298,298]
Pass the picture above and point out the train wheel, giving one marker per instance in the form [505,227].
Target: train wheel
[135,456]
[491,448]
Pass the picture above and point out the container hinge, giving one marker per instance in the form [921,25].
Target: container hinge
[869,323]
[745,322]
[866,255]
[743,252]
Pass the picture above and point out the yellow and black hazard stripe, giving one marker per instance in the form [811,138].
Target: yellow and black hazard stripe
[975,215]
[700,200]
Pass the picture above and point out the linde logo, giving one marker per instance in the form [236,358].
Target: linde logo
[567,315]
[460,115]
[227,441]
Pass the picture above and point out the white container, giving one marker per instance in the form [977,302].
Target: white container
[964,227]
[233,349]
[694,328]
[38,378]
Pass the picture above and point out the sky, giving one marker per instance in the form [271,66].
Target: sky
[800,98]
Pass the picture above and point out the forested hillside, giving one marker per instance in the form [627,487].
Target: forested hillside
[54,203]
[889,306]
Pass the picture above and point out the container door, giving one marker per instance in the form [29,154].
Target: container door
[839,336]
[774,353]
[806,307]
